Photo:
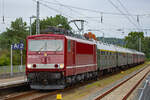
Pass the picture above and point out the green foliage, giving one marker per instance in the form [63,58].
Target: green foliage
[132,40]
[4,58]
[16,33]
[146,47]
[52,21]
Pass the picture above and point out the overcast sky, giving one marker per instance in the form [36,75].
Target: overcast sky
[111,23]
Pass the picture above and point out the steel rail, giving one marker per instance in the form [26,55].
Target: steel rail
[118,85]
[20,95]
[58,91]
[42,96]
[128,94]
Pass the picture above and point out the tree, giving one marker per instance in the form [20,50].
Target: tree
[16,33]
[52,21]
[146,45]
[132,40]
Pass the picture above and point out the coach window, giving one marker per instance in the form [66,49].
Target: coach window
[69,45]
[102,53]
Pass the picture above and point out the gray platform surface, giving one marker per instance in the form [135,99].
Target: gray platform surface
[5,83]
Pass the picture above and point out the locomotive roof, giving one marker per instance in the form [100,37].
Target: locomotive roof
[68,37]
[45,35]
[80,40]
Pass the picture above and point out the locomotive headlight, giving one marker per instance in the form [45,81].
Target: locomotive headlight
[61,66]
[29,65]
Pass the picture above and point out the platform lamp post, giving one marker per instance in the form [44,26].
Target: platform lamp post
[31,23]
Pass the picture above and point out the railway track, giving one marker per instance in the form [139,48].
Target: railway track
[30,95]
[123,90]
[38,95]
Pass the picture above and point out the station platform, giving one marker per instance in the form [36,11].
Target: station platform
[12,82]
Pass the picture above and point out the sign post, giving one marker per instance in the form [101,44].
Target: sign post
[19,46]
[11,59]
[21,60]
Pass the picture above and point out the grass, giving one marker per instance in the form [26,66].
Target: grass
[95,86]
[116,77]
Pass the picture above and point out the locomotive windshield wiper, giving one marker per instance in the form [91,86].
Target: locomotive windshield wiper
[40,49]
[45,46]
[58,48]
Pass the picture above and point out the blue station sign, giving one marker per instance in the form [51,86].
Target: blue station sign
[18,46]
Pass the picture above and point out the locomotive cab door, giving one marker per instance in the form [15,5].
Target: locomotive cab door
[71,55]
[73,51]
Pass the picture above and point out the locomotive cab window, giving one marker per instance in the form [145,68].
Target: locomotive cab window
[45,45]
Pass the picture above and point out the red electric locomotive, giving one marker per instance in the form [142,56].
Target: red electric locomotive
[55,61]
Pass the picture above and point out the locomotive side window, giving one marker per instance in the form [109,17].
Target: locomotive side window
[69,46]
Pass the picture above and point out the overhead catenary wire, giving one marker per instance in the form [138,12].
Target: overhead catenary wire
[130,20]
[66,7]
[85,9]
[91,10]
[67,15]
[55,9]
[101,19]
[127,14]
[58,10]
[124,15]
[75,11]
[130,14]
